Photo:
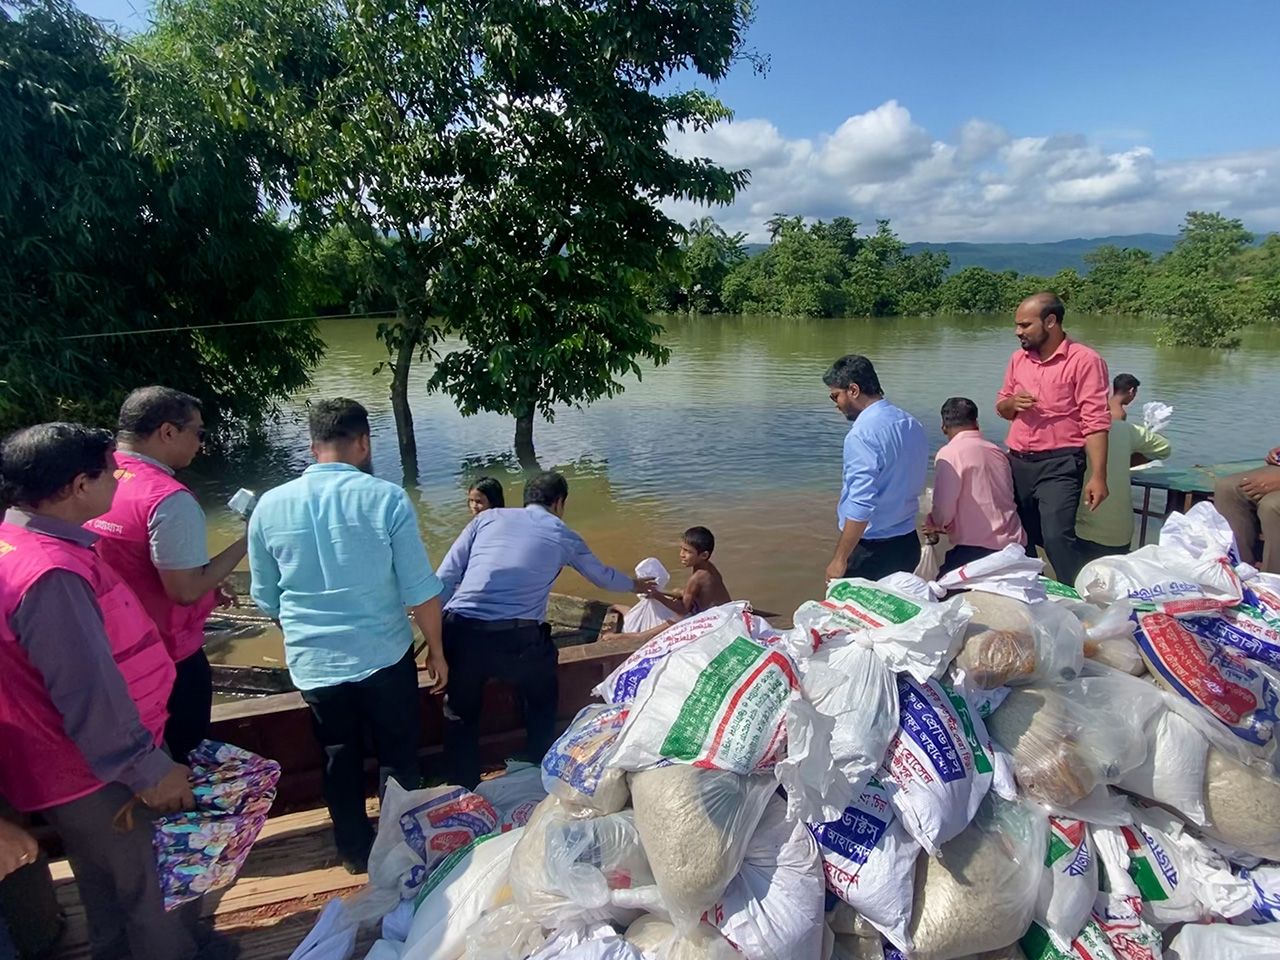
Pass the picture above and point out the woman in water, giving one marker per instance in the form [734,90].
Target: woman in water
[485,494]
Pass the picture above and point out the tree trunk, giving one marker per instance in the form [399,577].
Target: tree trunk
[525,453]
[400,407]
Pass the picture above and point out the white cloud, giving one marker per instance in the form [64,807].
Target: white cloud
[982,184]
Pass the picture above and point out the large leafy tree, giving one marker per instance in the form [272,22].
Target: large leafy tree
[1195,286]
[517,152]
[123,266]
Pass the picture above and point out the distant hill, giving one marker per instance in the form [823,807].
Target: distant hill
[1044,259]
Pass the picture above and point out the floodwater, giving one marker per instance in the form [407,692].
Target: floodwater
[736,433]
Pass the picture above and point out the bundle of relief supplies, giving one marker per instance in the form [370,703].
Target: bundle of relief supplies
[989,765]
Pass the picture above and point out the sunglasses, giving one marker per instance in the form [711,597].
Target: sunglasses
[201,432]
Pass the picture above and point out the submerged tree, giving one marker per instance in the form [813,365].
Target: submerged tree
[517,152]
[1195,287]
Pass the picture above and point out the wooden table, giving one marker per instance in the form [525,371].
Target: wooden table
[1183,487]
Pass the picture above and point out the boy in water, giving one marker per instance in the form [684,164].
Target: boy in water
[705,587]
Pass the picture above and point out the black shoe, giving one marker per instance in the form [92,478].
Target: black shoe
[356,866]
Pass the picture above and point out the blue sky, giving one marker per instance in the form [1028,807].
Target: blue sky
[998,119]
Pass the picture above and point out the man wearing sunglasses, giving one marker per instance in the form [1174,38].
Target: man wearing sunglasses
[154,536]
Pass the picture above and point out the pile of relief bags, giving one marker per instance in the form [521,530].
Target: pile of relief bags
[993,765]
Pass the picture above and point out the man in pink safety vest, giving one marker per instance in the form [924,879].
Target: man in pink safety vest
[86,678]
[154,536]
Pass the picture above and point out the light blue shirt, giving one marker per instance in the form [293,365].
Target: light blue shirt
[503,564]
[886,457]
[336,557]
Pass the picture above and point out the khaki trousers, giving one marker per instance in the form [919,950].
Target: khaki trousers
[1249,519]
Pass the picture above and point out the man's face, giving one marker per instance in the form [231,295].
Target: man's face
[846,401]
[187,439]
[1029,328]
[96,493]
[687,555]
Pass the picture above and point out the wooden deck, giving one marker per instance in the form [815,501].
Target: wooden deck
[291,873]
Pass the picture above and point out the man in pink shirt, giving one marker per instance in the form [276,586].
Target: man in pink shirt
[973,500]
[1055,394]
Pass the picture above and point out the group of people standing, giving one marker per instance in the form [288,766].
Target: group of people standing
[1062,484]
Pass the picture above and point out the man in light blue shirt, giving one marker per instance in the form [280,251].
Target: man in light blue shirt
[336,557]
[497,578]
[886,457]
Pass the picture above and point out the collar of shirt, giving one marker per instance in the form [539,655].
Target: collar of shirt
[1061,351]
[333,468]
[871,413]
[145,459]
[965,436]
[50,526]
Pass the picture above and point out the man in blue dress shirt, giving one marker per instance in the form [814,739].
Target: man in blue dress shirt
[497,578]
[337,558]
[886,457]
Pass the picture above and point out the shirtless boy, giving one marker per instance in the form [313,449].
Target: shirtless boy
[705,587]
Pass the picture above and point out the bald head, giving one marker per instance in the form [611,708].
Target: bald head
[1045,305]
[1038,323]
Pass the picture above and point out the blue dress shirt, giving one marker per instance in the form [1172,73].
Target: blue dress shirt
[503,564]
[886,458]
[336,556]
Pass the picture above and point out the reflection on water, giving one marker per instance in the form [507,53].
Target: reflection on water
[737,434]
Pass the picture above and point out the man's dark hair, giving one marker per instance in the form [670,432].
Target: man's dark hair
[701,539]
[1124,382]
[492,491]
[147,409]
[1049,304]
[853,370]
[36,463]
[959,412]
[546,489]
[337,421]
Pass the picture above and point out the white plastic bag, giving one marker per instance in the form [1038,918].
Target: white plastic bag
[1069,884]
[1114,931]
[588,859]
[838,732]
[647,613]
[868,858]
[1265,880]
[1222,941]
[1238,693]
[1009,642]
[773,908]
[576,768]
[940,763]
[1008,572]
[514,794]
[695,825]
[1248,627]
[621,685]
[1173,771]
[463,887]
[333,937]
[980,893]
[718,702]
[1156,416]
[657,939]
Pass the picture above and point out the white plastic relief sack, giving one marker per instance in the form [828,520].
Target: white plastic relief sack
[1252,627]
[1173,772]
[1242,805]
[1010,642]
[1234,690]
[1115,930]
[1224,941]
[1265,881]
[980,893]
[576,768]
[940,763]
[718,702]
[621,685]
[647,613]
[909,632]
[773,908]
[696,825]
[868,859]
[1008,572]
[1156,416]
[838,732]
[1069,884]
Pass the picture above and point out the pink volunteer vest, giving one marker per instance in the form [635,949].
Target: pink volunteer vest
[40,766]
[126,544]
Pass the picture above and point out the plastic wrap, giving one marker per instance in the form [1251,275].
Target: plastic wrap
[695,825]
[657,939]
[587,859]
[1008,642]
[1242,805]
[576,768]
[1174,769]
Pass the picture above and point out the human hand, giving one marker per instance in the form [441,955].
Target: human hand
[1255,487]
[172,793]
[1022,400]
[645,586]
[226,595]
[17,848]
[1273,457]
[1095,491]
[439,671]
[836,568]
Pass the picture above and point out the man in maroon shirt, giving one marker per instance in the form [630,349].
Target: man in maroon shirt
[1055,394]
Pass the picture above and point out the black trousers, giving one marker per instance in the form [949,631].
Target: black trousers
[1047,489]
[116,873]
[873,559]
[961,554]
[387,703]
[519,653]
[190,706]
[1096,551]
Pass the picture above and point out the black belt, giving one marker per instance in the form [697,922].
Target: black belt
[1034,456]
[491,626]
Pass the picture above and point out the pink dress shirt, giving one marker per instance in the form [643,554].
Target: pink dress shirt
[973,494]
[1071,398]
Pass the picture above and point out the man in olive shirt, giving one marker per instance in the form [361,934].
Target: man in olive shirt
[1107,530]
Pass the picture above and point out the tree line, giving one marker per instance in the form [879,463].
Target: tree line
[1214,282]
